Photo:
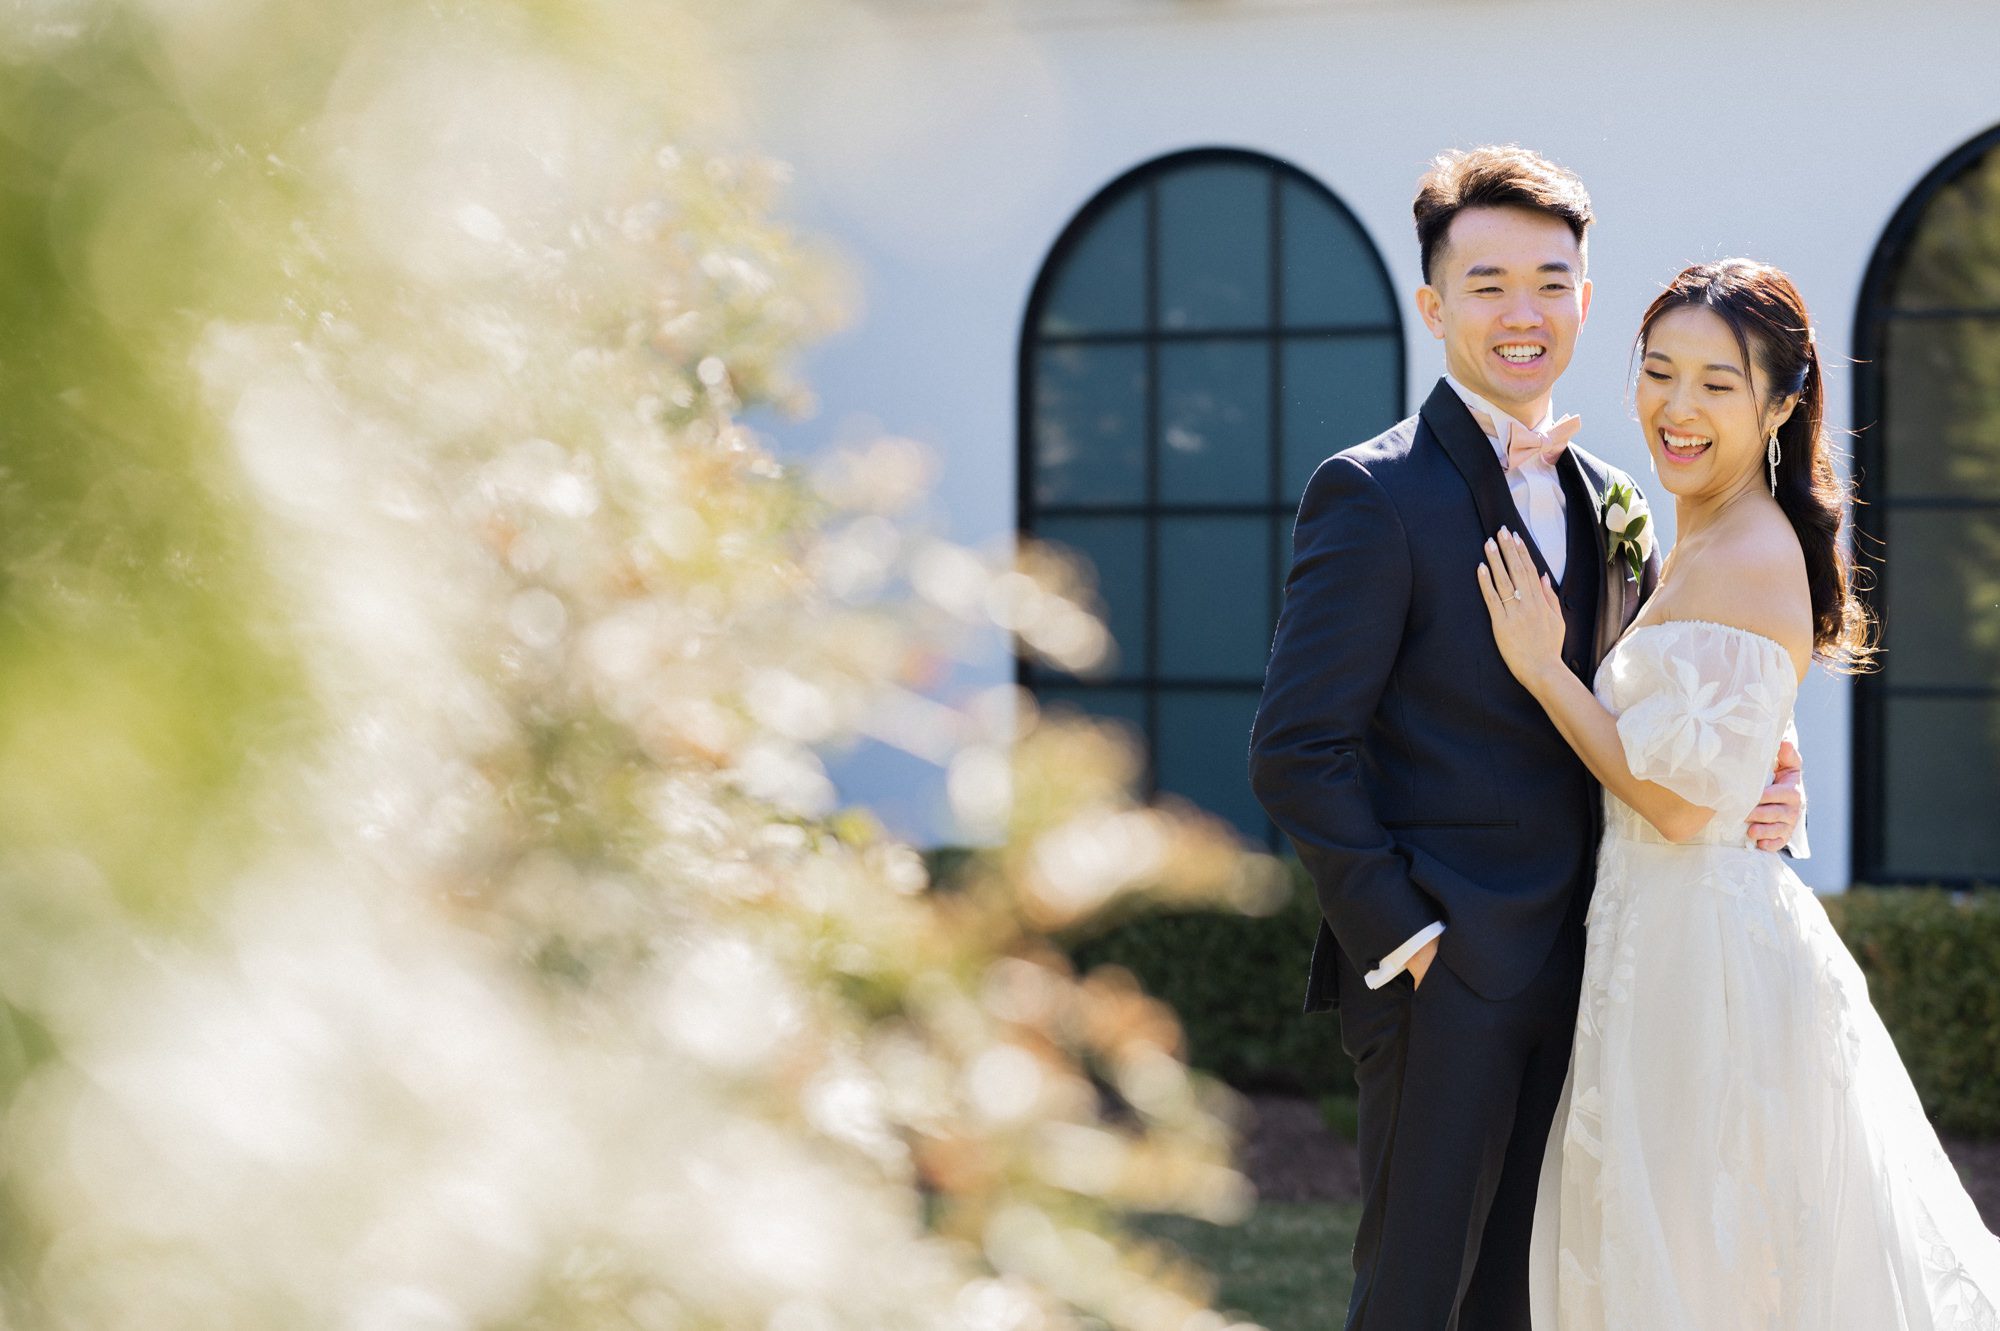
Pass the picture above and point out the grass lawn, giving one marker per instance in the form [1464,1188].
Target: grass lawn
[1288,1267]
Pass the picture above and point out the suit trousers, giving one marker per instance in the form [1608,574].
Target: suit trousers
[1457,1093]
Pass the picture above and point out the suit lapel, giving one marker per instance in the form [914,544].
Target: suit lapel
[1593,489]
[1618,595]
[1444,413]
[1471,452]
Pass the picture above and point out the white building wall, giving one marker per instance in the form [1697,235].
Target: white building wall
[944,145]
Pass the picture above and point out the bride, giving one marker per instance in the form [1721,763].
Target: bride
[1738,1144]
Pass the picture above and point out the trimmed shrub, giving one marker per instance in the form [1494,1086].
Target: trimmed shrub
[1932,959]
[1238,983]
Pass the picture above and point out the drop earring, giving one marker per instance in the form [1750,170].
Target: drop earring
[1771,456]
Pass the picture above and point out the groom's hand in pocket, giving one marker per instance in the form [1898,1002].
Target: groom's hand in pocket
[1777,814]
[1420,963]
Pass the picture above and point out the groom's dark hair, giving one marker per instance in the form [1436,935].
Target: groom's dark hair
[1508,176]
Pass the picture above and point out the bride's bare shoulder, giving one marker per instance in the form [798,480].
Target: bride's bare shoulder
[1751,574]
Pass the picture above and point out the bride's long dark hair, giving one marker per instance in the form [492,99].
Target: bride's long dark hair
[1765,311]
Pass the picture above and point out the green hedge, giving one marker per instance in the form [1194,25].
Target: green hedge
[1932,960]
[1239,985]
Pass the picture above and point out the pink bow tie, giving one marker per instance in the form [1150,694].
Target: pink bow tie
[1527,445]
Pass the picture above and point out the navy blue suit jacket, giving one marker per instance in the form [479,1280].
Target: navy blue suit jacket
[1416,779]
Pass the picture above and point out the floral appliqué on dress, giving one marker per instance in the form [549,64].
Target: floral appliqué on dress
[1738,1143]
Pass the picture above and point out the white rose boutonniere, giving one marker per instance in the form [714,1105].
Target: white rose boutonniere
[1628,527]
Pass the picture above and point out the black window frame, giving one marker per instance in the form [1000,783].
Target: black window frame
[1874,312]
[1149,683]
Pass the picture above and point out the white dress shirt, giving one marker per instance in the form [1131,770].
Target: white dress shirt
[1538,494]
[1537,490]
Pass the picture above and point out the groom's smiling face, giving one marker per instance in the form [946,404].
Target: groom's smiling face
[1507,295]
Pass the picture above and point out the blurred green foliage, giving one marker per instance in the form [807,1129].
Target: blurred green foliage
[1236,982]
[1342,1115]
[136,687]
[1932,959]
[389,576]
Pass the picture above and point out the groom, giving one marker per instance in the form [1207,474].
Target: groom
[1449,831]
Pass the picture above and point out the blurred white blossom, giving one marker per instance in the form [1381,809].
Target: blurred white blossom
[562,992]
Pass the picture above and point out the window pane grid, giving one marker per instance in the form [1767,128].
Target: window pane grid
[1258,509]
[1937,502]
[1972,691]
[1927,725]
[1152,648]
[1157,683]
[1943,312]
[1218,432]
[1260,332]
[1274,466]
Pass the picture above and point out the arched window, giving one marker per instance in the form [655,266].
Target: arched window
[1204,332]
[1927,392]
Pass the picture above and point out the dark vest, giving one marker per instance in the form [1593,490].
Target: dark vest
[1581,590]
[1581,584]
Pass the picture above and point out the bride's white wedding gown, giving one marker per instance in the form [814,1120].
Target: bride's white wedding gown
[1738,1145]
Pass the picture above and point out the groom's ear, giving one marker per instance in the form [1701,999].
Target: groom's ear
[1583,290]
[1430,308]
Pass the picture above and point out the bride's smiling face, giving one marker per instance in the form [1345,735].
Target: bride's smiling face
[1697,402]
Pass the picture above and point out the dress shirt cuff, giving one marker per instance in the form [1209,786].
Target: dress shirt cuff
[1394,964]
[1797,847]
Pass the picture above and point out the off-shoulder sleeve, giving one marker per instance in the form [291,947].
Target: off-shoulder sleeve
[1707,706]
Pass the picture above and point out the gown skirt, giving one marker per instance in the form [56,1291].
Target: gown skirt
[1738,1145]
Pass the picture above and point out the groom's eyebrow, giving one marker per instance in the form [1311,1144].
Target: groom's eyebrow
[1494,270]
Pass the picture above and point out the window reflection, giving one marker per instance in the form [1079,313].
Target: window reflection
[1215,422]
[1090,425]
[1215,246]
